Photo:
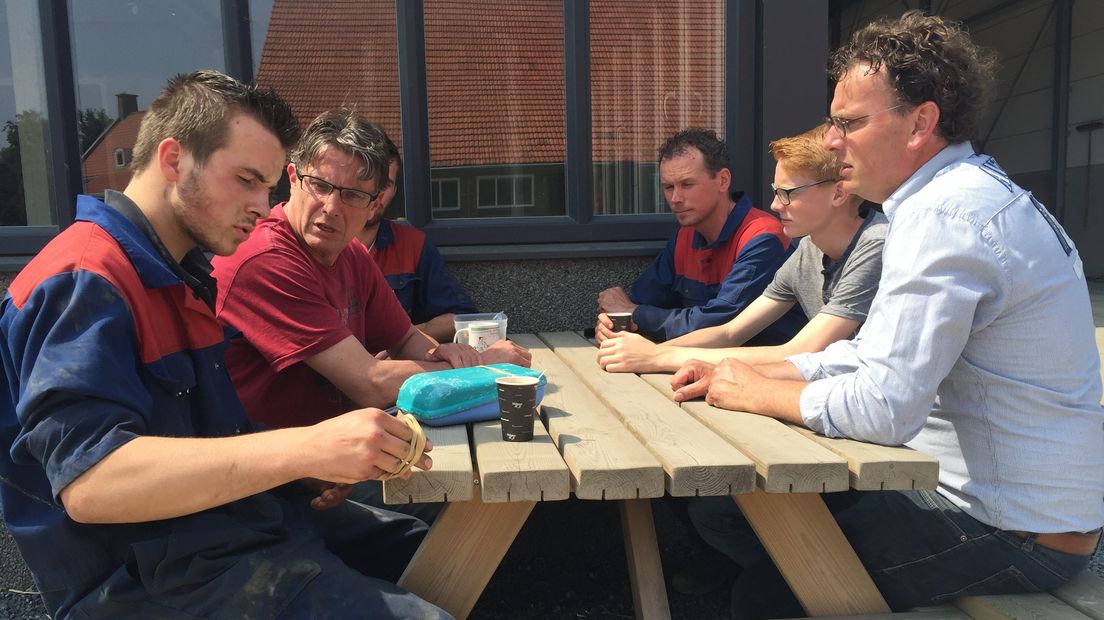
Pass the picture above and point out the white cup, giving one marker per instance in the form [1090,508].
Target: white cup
[479,334]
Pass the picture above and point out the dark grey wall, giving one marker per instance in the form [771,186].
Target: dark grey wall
[545,295]
[794,95]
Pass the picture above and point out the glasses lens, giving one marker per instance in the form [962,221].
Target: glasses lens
[317,186]
[355,198]
[783,196]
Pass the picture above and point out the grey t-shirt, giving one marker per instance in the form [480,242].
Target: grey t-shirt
[843,288]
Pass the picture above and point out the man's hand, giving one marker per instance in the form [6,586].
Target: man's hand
[692,380]
[603,330]
[454,354]
[625,352]
[615,300]
[364,444]
[330,495]
[733,382]
[506,352]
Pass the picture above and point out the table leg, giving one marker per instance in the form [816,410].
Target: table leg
[645,570]
[811,552]
[461,551]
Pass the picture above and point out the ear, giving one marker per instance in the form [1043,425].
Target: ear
[840,196]
[294,178]
[927,120]
[170,158]
[724,177]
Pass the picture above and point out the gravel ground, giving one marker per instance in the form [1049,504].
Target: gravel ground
[568,563]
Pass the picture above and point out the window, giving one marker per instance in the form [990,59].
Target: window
[505,191]
[445,194]
[26,197]
[114,84]
[317,67]
[496,109]
[656,67]
[559,99]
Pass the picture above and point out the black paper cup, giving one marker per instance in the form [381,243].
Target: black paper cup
[517,406]
[622,321]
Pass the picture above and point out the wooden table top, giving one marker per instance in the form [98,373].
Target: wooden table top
[620,436]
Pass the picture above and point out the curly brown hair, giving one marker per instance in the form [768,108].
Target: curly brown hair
[926,58]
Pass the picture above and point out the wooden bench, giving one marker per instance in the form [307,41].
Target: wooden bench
[1080,599]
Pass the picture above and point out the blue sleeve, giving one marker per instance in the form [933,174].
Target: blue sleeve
[70,358]
[439,292]
[752,271]
[656,286]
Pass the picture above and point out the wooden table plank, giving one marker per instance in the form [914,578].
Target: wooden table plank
[811,552]
[695,460]
[785,461]
[461,551]
[518,471]
[1015,606]
[1085,593]
[450,480]
[605,459]
[872,467]
[661,382]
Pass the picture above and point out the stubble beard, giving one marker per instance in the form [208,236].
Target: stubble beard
[191,214]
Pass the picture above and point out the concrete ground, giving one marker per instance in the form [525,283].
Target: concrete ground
[567,563]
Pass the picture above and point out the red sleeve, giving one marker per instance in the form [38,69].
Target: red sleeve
[274,297]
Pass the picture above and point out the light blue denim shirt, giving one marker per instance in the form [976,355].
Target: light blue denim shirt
[979,350]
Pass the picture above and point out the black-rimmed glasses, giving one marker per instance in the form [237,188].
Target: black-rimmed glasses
[352,197]
[783,193]
[841,122]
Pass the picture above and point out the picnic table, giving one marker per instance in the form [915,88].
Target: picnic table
[620,437]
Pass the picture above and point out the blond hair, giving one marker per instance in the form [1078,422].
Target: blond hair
[806,153]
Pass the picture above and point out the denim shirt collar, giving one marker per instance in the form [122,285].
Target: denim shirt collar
[951,154]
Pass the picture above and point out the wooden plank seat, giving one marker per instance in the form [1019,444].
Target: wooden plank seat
[1080,599]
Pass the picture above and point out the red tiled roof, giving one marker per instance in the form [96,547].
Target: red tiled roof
[322,55]
[494,73]
[100,172]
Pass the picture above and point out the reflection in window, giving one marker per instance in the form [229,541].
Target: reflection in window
[343,56]
[505,191]
[445,194]
[26,197]
[114,83]
[494,73]
[656,68]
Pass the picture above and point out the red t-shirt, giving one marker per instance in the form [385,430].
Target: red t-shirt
[290,308]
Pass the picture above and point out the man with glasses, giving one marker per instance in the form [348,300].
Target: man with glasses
[978,349]
[312,307]
[719,261]
[832,275]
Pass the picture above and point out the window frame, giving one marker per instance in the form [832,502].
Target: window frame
[579,224]
[435,192]
[497,178]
